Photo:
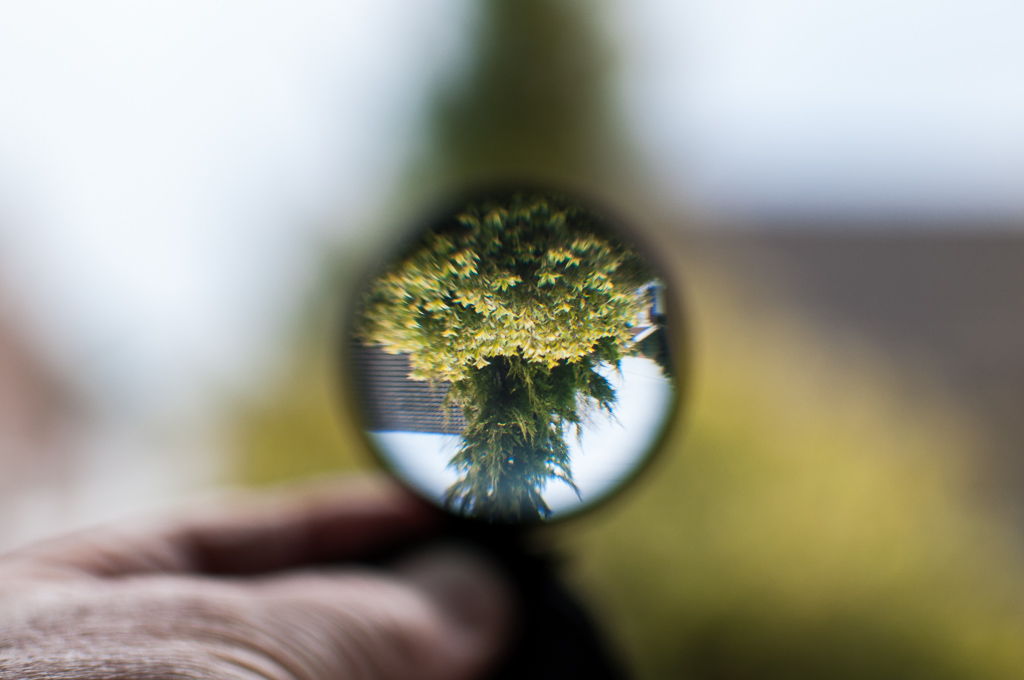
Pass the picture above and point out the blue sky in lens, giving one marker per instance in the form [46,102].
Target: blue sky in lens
[610,449]
[170,170]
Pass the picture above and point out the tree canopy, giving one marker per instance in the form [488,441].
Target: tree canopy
[532,276]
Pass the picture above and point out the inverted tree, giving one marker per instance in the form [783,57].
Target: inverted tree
[517,302]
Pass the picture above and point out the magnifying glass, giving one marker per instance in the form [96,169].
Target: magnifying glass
[512,363]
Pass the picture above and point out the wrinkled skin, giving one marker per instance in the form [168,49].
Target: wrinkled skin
[247,591]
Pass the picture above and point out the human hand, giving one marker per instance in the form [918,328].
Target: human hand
[253,591]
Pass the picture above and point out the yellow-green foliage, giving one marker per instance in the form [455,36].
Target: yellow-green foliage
[812,520]
[531,276]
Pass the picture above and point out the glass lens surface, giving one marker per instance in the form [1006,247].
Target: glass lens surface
[512,363]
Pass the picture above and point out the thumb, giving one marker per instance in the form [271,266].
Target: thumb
[442,614]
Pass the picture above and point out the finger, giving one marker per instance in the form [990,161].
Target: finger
[328,521]
[442,615]
[446,614]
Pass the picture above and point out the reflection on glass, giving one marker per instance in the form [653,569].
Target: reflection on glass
[493,351]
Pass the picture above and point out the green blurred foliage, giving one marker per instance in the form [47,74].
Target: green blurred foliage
[535,103]
[813,519]
[299,428]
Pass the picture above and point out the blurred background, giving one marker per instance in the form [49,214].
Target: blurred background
[188,189]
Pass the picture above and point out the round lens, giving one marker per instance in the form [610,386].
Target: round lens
[512,364]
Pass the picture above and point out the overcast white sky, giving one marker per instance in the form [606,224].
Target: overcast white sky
[877,107]
[166,168]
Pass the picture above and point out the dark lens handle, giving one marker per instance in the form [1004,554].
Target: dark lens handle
[556,637]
